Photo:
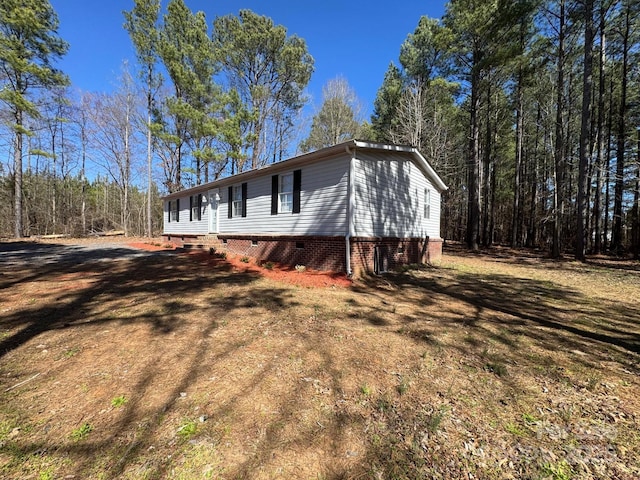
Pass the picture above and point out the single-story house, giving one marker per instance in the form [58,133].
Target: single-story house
[353,207]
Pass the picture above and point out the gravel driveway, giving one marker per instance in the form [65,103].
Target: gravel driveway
[17,254]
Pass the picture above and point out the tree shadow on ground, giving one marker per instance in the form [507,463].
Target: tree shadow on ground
[536,342]
[183,301]
[117,274]
[255,357]
[541,258]
[553,316]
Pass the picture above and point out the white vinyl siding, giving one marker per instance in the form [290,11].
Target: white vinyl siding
[323,203]
[389,197]
[393,197]
[185,225]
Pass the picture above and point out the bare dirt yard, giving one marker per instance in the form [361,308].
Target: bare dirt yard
[137,362]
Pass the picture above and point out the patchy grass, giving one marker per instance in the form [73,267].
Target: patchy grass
[81,432]
[119,401]
[187,429]
[499,365]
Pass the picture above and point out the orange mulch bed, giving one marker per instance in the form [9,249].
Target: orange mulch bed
[308,278]
[282,273]
[152,247]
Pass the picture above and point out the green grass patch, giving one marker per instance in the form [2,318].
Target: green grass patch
[118,401]
[187,429]
[515,429]
[558,471]
[81,432]
[72,352]
[365,389]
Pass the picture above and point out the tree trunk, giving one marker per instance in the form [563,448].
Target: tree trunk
[473,218]
[533,212]
[617,243]
[558,203]
[517,214]
[149,170]
[83,179]
[607,170]
[17,162]
[127,167]
[636,205]
[585,132]
[486,236]
[597,222]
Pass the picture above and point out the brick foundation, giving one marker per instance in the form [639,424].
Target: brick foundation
[319,253]
[368,254]
[180,240]
[377,255]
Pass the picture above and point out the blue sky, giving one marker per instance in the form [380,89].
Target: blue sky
[354,39]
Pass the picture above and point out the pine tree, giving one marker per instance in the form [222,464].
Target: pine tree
[141,23]
[471,24]
[269,70]
[585,131]
[29,44]
[384,117]
[187,54]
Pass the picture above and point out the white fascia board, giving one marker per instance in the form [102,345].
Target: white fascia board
[420,160]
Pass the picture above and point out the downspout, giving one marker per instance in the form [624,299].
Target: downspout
[350,209]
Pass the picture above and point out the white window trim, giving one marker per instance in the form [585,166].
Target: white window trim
[427,204]
[173,211]
[195,210]
[237,200]
[285,197]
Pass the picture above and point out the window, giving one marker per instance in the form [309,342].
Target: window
[195,203]
[285,192]
[174,210]
[427,203]
[238,201]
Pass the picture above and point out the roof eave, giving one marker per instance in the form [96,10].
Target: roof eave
[273,167]
[310,157]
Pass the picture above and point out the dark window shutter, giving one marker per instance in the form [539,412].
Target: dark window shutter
[230,201]
[244,199]
[199,206]
[169,209]
[191,208]
[274,195]
[178,210]
[297,185]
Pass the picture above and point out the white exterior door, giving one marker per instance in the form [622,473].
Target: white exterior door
[214,199]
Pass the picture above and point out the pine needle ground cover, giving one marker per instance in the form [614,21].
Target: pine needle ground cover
[501,365]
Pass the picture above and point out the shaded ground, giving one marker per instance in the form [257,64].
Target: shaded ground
[122,363]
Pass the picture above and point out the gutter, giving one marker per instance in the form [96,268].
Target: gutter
[351,207]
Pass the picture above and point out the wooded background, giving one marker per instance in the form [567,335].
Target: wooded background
[529,110]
